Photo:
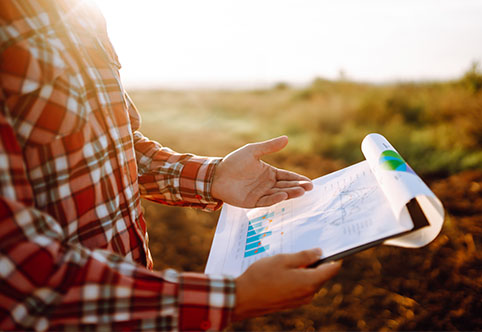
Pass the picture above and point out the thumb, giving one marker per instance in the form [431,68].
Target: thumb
[269,146]
[302,258]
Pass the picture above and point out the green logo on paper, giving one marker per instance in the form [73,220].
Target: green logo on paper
[392,161]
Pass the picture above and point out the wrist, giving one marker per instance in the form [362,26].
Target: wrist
[242,306]
[217,182]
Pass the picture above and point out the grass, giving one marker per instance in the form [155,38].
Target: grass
[437,127]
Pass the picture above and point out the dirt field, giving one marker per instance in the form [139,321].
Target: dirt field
[438,287]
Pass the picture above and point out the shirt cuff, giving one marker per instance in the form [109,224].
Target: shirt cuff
[196,181]
[206,302]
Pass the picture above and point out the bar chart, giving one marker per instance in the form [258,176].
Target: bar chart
[263,231]
[258,232]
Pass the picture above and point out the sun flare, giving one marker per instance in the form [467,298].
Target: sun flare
[214,42]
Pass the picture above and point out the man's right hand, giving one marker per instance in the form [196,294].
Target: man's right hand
[280,282]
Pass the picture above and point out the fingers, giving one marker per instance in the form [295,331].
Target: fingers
[317,277]
[287,176]
[291,192]
[305,258]
[278,282]
[271,199]
[306,185]
[302,258]
[276,195]
[324,272]
[270,146]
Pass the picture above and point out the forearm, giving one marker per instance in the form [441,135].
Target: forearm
[172,178]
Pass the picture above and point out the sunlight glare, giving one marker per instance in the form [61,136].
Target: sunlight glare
[251,42]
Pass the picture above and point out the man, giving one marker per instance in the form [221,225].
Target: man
[73,165]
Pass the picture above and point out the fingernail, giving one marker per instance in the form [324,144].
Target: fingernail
[317,251]
[338,262]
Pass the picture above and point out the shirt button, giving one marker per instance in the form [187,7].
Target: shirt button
[205,325]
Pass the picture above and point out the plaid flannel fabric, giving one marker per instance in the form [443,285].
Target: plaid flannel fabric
[73,242]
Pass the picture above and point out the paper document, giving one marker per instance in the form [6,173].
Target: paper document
[356,207]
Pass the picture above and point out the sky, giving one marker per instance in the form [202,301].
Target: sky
[254,43]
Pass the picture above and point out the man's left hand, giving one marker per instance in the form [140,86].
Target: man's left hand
[243,180]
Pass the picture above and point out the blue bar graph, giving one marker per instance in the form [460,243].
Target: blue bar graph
[258,224]
[252,245]
[256,251]
[257,237]
[265,216]
[257,231]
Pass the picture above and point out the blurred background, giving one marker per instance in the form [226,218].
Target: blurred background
[325,73]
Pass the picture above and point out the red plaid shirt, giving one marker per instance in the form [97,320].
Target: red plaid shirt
[73,241]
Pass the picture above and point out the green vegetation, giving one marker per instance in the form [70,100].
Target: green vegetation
[436,126]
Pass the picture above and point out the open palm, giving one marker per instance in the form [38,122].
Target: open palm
[242,179]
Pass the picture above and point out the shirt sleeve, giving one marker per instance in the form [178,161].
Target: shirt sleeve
[172,178]
[47,282]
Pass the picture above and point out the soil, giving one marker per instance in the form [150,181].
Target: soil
[438,287]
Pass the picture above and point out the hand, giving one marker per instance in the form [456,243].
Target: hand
[280,282]
[243,180]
